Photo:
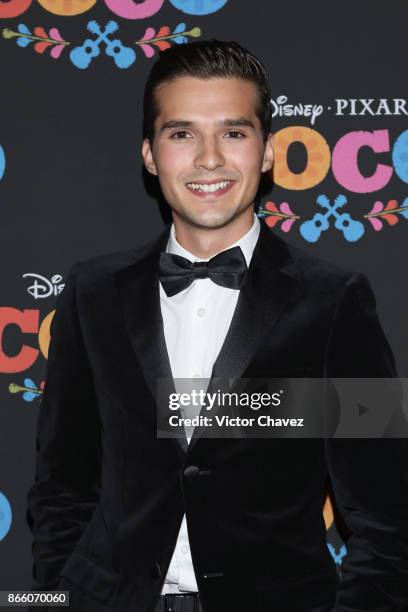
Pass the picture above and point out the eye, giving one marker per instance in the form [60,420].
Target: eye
[234,134]
[180,135]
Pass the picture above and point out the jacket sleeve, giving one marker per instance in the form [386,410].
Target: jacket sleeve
[369,476]
[67,471]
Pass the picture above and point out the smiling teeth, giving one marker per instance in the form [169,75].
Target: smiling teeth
[208,188]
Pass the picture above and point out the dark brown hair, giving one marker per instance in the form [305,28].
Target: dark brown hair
[206,59]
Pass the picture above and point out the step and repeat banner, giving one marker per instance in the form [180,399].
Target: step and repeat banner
[72,186]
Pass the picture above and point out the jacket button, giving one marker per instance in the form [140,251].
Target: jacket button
[191,472]
[156,571]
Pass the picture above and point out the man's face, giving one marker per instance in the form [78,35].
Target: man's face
[208,150]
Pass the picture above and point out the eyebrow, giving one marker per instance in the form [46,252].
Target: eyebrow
[238,122]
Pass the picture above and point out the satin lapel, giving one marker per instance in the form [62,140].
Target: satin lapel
[138,286]
[270,283]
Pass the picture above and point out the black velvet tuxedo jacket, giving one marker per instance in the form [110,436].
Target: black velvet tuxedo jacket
[109,496]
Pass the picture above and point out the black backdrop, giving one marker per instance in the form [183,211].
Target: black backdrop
[72,186]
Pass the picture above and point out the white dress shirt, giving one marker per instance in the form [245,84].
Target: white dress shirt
[196,321]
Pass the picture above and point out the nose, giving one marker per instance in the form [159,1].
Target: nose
[209,156]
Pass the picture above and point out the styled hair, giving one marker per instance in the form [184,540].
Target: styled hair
[206,59]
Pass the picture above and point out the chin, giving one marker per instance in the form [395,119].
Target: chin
[212,219]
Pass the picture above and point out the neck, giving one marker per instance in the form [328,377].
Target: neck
[205,242]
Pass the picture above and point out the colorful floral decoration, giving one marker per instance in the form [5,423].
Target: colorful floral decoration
[332,213]
[389,213]
[30,390]
[40,38]
[273,215]
[83,54]
[164,37]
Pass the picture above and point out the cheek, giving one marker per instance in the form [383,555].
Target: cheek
[248,159]
[171,165]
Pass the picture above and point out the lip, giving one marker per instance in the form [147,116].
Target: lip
[214,194]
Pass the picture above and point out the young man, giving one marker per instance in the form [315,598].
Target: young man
[129,522]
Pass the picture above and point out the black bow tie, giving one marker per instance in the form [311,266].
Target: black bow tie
[227,269]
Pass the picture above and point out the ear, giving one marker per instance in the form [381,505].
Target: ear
[268,154]
[148,157]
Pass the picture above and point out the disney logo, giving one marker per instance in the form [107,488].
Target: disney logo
[42,287]
[280,109]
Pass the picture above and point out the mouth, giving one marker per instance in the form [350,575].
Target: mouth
[210,189]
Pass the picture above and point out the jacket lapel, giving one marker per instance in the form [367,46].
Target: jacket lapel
[138,286]
[270,283]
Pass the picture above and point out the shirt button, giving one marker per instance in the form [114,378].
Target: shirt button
[184,549]
[200,312]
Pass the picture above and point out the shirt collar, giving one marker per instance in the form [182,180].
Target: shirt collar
[247,243]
